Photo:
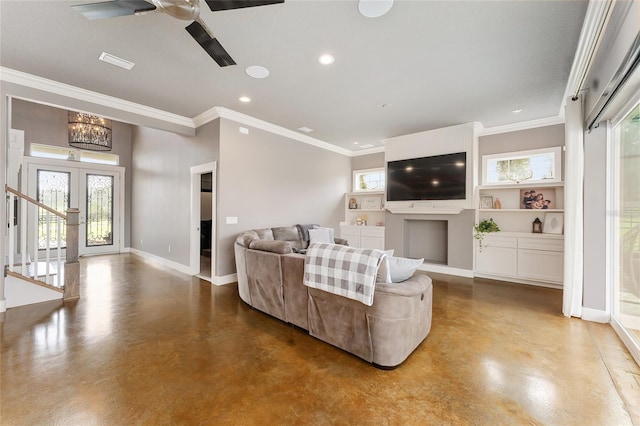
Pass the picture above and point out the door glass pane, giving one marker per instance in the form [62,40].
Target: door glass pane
[53,191]
[99,210]
[627,287]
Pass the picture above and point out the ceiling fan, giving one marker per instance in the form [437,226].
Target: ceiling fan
[187,10]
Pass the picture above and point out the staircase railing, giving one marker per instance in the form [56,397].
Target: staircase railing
[49,230]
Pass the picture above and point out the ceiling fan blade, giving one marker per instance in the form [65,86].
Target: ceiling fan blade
[217,5]
[210,44]
[112,9]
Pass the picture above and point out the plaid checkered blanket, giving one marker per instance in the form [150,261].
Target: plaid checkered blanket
[343,270]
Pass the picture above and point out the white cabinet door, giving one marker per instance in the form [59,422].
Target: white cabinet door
[372,242]
[541,265]
[497,261]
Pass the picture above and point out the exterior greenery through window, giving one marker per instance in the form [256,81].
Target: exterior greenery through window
[540,165]
[368,180]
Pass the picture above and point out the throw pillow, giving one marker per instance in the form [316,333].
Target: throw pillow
[401,268]
[383,274]
[332,236]
[319,236]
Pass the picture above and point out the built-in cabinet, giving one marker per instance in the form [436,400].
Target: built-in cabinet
[513,255]
[364,219]
[516,253]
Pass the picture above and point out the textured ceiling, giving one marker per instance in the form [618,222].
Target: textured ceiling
[437,63]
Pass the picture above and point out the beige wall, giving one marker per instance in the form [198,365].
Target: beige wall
[161,191]
[267,180]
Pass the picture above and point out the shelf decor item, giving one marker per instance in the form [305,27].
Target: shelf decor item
[484,227]
[352,204]
[536,226]
[372,203]
[497,204]
[486,202]
[538,198]
[553,223]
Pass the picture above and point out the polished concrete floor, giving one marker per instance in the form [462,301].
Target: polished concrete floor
[145,345]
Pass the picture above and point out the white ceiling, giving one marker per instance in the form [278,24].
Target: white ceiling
[437,63]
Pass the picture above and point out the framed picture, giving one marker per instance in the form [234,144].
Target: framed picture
[371,203]
[486,202]
[553,223]
[538,198]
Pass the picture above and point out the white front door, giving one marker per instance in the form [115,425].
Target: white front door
[94,190]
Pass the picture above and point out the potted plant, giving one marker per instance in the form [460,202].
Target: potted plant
[484,227]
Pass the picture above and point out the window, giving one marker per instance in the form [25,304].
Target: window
[62,153]
[368,180]
[538,165]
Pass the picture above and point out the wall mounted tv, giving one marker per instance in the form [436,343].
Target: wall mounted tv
[440,177]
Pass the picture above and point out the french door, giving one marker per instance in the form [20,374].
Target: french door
[94,190]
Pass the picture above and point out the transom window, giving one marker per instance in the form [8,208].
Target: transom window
[538,165]
[368,180]
[62,153]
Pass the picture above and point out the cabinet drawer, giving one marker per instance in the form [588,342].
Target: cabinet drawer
[498,241]
[372,232]
[541,244]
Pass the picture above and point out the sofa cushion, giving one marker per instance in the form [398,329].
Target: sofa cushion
[319,236]
[280,247]
[245,238]
[264,234]
[401,268]
[332,234]
[288,233]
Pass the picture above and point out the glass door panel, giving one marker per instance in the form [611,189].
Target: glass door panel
[626,288]
[53,189]
[99,210]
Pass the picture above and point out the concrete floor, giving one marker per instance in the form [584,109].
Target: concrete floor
[146,345]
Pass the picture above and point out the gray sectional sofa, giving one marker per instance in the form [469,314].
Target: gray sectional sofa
[270,279]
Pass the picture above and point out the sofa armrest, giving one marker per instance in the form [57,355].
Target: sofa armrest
[341,241]
[417,284]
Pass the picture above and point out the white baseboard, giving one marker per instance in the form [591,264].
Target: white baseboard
[444,269]
[161,260]
[3,305]
[225,279]
[125,250]
[595,315]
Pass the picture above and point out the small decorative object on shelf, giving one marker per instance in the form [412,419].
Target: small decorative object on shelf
[537,226]
[497,204]
[362,220]
[486,202]
[484,227]
[352,204]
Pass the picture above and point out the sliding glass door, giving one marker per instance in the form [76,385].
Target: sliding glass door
[626,227]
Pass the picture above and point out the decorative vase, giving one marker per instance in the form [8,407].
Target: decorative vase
[497,204]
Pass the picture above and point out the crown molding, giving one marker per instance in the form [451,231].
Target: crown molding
[239,117]
[367,151]
[524,125]
[206,117]
[18,77]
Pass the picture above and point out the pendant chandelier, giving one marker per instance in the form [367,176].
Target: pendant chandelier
[87,131]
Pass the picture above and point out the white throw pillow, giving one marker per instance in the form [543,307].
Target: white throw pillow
[320,235]
[401,268]
[332,238]
[383,274]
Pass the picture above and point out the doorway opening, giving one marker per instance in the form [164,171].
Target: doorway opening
[203,221]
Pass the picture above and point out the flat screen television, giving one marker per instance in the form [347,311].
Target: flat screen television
[440,177]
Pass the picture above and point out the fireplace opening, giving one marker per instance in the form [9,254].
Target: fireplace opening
[426,239]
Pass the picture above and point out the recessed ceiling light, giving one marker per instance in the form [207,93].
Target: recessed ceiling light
[257,71]
[326,59]
[244,99]
[114,60]
[515,111]
[356,143]
[305,129]
[374,8]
